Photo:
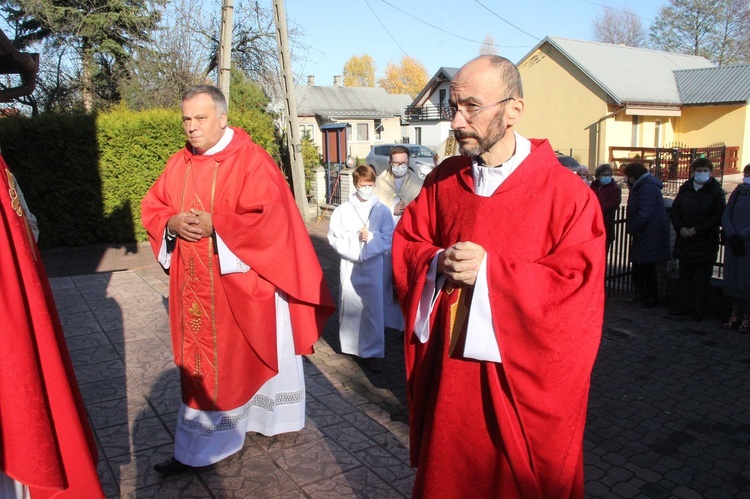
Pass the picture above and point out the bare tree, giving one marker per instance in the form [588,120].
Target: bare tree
[732,38]
[687,27]
[488,46]
[161,71]
[253,45]
[619,26]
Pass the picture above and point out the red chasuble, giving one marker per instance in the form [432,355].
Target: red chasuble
[510,429]
[224,326]
[45,437]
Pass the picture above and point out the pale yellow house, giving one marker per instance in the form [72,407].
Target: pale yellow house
[586,97]
[371,115]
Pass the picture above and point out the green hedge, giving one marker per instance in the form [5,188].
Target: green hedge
[84,176]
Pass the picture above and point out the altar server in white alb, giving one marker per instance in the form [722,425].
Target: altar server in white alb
[360,231]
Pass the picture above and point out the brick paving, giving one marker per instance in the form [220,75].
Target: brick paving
[669,414]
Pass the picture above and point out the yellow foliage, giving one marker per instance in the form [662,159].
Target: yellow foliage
[359,71]
[408,77]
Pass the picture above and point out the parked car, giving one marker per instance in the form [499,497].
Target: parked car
[421,159]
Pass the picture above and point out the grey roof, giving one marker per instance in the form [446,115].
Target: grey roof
[722,85]
[629,75]
[349,102]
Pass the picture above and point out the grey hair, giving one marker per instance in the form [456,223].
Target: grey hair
[216,95]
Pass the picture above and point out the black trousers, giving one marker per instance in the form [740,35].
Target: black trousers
[644,280]
[695,284]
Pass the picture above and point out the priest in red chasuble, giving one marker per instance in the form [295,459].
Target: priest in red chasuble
[499,266]
[47,448]
[247,297]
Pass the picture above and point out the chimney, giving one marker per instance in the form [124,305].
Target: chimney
[310,80]
[337,81]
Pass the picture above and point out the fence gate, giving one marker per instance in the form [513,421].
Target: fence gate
[618,278]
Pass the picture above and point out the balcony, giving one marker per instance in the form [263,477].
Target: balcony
[428,113]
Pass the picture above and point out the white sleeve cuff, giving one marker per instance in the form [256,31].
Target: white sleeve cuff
[427,301]
[229,263]
[164,257]
[481,342]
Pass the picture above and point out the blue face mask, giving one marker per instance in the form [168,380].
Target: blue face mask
[702,177]
[605,180]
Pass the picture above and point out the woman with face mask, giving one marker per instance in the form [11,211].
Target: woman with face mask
[609,195]
[736,226]
[648,226]
[696,217]
[361,232]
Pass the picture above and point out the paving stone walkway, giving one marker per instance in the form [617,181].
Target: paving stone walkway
[669,413]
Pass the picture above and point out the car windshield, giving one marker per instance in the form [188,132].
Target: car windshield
[421,152]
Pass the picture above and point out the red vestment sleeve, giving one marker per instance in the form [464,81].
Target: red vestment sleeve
[45,436]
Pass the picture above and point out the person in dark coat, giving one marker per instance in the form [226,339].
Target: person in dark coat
[609,195]
[736,226]
[647,223]
[696,216]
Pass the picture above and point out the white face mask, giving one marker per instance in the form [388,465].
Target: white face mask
[746,180]
[702,177]
[365,192]
[399,171]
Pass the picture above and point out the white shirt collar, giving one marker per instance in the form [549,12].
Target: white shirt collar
[221,144]
[487,179]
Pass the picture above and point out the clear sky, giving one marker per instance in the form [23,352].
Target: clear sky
[437,32]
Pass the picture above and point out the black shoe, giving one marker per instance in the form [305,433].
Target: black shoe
[649,303]
[172,467]
[634,299]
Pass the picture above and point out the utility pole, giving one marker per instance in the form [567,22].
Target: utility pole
[290,109]
[225,46]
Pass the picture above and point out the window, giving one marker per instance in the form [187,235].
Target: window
[657,133]
[363,132]
[634,136]
[417,134]
[306,132]
[378,129]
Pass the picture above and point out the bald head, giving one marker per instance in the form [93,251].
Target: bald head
[498,71]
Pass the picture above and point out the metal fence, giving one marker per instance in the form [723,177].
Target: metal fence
[333,183]
[618,278]
[671,164]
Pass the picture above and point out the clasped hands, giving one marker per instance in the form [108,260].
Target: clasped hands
[460,263]
[685,232]
[363,234]
[191,225]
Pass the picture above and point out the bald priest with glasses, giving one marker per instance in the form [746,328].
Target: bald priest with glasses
[499,267]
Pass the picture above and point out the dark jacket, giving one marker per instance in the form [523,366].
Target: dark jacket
[647,221]
[701,209]
[610,197]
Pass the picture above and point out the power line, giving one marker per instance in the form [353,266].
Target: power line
[447,32]
[386,29]
[507,22]
[629,12]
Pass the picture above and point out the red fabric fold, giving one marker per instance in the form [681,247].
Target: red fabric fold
[45,436]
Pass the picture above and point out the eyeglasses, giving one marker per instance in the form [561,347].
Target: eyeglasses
[398,164]
[470,112]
